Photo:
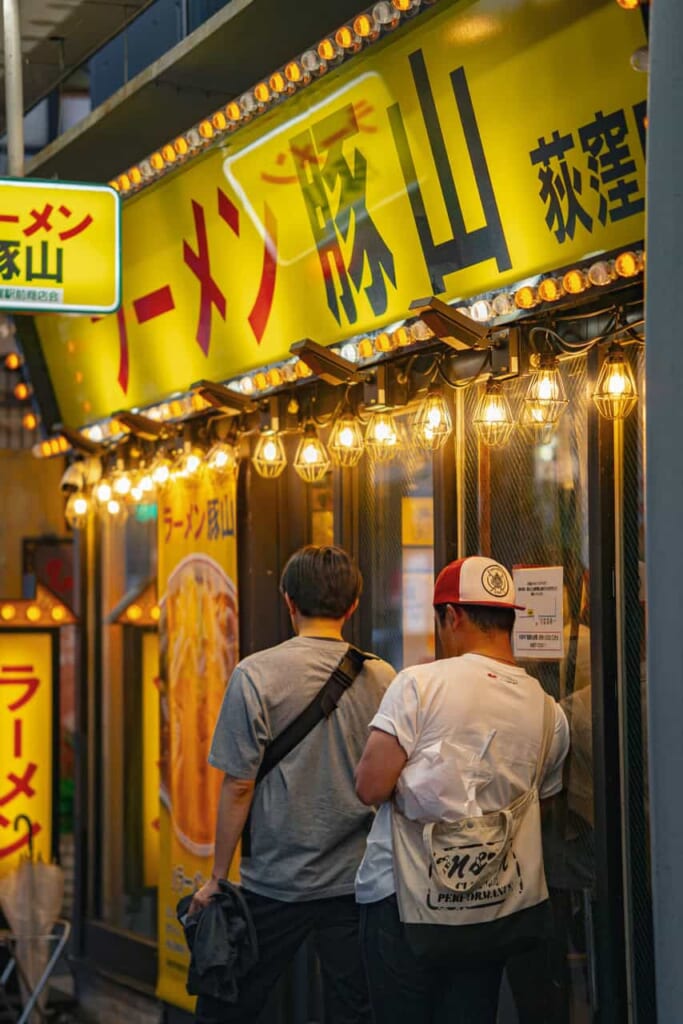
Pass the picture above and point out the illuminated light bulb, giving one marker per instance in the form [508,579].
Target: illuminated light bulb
[29,421]
[328,50]
[532,422]
[157,161]
[365,348]
[366,27]
[246,386]
[274,377]
[190,463]
[181,146]
[403,336]
[386,15]
[615,394]
[381,436]
[124,183]
[550,290]
[629,5]
[116,509]
[311,462]
[137,495]
[260,381]
[481,310]
[21,391]
[233,112]
[169,154]
[345,443]
[269,458]
[206,130]
[121,482]
[155,613]
[492,419]
[34,613]
[302,370]
[262,92]
[103,492]
[526,297]
[347,39]
[135,175]
[12,361]
[278,82]
[8,612]
[161,471]
[384,342]
[221,461]
[432,423]
[575,282]
[76,511]
[297,74]
[349,351]
[601,273]
[134,613]
[58,613]
[545,399]
[503,304]
[406,6]
[627,264]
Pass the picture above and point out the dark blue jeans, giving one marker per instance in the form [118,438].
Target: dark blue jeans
[281,928]
[404,990]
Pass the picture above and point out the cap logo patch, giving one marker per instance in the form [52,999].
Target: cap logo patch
[494,581]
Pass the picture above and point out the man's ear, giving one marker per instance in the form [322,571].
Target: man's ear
[349,612]
[454,615]
[291,607]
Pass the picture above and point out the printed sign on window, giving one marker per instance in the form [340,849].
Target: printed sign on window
[538,631]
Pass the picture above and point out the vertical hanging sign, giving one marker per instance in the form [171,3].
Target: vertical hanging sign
[26,743]
[198,637]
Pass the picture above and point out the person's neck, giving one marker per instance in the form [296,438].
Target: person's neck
[497,648]
[495,654]
[324,629]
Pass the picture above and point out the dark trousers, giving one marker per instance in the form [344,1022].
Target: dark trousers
[403,990]
[281,928]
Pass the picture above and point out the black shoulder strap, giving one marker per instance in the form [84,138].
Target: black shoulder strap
[322,706]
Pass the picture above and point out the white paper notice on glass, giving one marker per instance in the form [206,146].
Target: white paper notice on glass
[539,629]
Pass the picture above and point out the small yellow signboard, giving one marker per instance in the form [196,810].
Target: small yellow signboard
[60,246]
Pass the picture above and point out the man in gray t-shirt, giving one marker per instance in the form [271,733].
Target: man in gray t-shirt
[307,827]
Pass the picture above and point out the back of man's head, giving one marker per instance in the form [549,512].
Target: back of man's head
[482,588]
[323,581]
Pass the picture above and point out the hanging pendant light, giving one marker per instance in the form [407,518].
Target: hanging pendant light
[545,399]
[311,462]
[121,482]
[143,486]
[115,510]
[269,458]
[160,470]
[345,443]
[190,463]
[77,510]
[222,461]
[432,423]
[493,420]
[615,393]
[382,436]
[103,491]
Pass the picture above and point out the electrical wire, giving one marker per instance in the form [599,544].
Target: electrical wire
[468,382]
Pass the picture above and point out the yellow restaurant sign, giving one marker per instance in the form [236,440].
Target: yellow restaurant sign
[26,745]
[489,141]
[59,247]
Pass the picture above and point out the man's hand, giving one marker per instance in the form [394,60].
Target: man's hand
[202,897]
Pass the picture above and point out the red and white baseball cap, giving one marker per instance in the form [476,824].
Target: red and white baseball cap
[475,580]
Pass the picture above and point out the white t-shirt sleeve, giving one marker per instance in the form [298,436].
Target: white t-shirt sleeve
[399,711]
[559,748]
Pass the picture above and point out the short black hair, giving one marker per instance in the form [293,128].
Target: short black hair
[487,618]
[323,581]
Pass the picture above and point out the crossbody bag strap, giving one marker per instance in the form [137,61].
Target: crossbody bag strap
[322,706]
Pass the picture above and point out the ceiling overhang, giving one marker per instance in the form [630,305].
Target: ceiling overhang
[218,61]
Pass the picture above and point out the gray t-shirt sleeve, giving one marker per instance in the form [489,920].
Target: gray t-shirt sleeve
[241,734]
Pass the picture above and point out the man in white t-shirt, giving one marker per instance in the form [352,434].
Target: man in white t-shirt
[455,738]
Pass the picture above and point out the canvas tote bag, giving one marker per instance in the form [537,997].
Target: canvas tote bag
[477,869]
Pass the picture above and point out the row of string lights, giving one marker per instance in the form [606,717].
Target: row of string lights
[136,474]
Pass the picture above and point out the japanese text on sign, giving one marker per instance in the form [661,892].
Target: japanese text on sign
[538,632]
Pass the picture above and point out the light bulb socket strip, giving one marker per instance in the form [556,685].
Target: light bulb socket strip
[339,46]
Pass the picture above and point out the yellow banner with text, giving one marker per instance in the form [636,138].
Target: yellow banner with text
[490,141]
[26,724]
[198,647]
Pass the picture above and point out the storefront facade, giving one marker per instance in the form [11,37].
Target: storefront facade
[458,223]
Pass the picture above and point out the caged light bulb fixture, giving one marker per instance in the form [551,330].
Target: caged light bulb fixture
[77,510]
[432,423]
[221,461]
[116,510]
[345,443]
[269,458]
[190,463]
[160,470]
[311,462]
[492,419]
[545,399]
[121,482]
[615,392]
[381,436]
[103,492]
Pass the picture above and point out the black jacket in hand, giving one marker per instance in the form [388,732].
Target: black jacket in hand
[222,941]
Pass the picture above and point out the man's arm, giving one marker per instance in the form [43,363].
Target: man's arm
[379,767]
[233,809]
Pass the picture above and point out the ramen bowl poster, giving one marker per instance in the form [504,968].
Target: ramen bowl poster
[198,648]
